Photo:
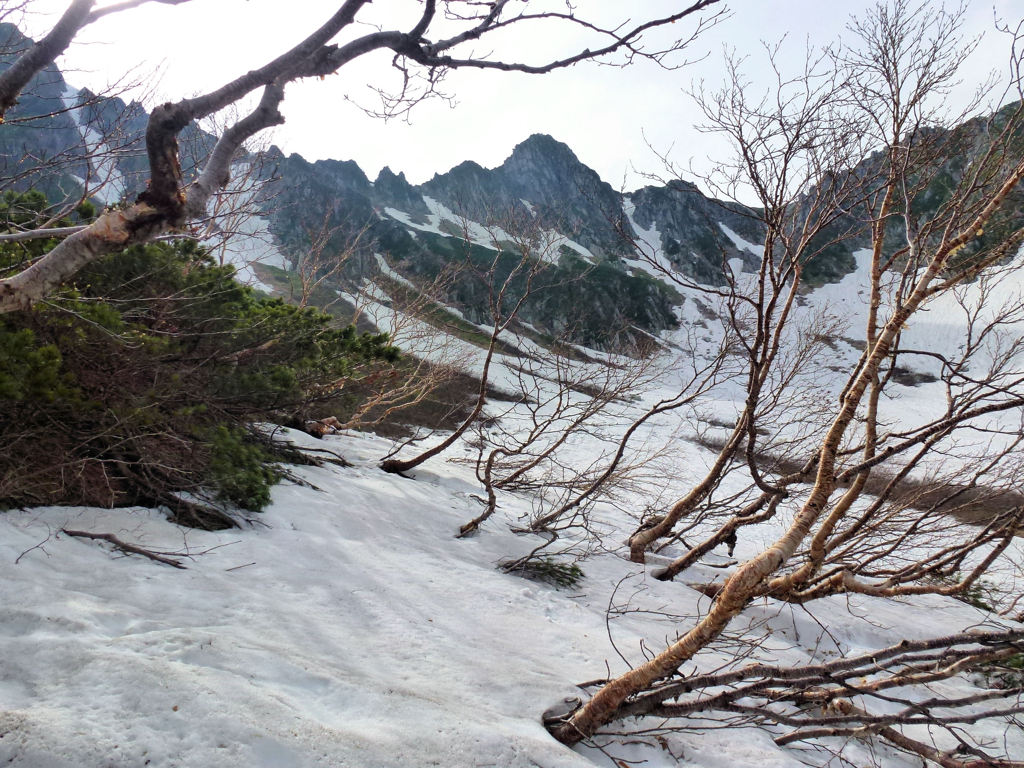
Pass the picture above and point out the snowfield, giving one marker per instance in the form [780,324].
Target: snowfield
[236,235]
[346,626]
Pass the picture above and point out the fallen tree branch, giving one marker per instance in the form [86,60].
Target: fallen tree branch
[927,751]
[125,547]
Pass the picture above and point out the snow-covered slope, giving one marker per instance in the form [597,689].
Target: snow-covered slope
[348,627]
[237,234]
[316,637]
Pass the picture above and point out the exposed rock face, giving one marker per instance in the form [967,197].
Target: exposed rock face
[590,299]
[327,198]
[394,191]
[54,127]
[690,228]
[25,141]
[565,194]
[589,293]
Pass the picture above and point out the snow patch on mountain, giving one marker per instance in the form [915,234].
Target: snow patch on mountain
[545,245]
[648,241]
[237,234]
[447,222]
[553,242]
[107,183]
[404,218]
[386,270]
[739,242]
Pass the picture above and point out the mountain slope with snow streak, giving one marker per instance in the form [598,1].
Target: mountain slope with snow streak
[108,184]
[347,626]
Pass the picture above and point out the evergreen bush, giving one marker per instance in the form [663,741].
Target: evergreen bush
[141,377]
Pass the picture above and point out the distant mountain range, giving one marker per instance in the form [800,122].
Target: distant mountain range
[595,290]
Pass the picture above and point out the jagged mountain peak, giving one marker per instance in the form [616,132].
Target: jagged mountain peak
[346,175]
[12,37]
[681,185]
[538,147]
[547,170]
[465,169]
[387,175]
[394,190]
[542,177]
[546,146]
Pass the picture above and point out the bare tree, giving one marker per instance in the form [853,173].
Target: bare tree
[79,139]
[407,312]
[559,396]
[934,201]
[508,280]
[791,139]
[444,36]
[322,262]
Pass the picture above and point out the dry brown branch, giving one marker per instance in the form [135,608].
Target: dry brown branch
[168,204]
[505,298]
[124,546]
[814,700]
[793,148]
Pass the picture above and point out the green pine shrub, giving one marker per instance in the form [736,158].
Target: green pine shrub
[547,569]
[240,468]
[141,377]
[1006,674]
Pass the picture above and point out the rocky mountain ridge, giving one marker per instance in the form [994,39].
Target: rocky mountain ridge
[542,181]
[541,188]
[596,288]
[61,139]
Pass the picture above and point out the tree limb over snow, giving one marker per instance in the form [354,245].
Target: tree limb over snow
[168,205]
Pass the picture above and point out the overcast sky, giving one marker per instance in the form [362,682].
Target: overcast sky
[603,113]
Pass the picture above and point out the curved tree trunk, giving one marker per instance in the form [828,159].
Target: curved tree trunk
[750,580]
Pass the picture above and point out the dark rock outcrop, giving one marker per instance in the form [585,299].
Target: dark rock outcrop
[543,178]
